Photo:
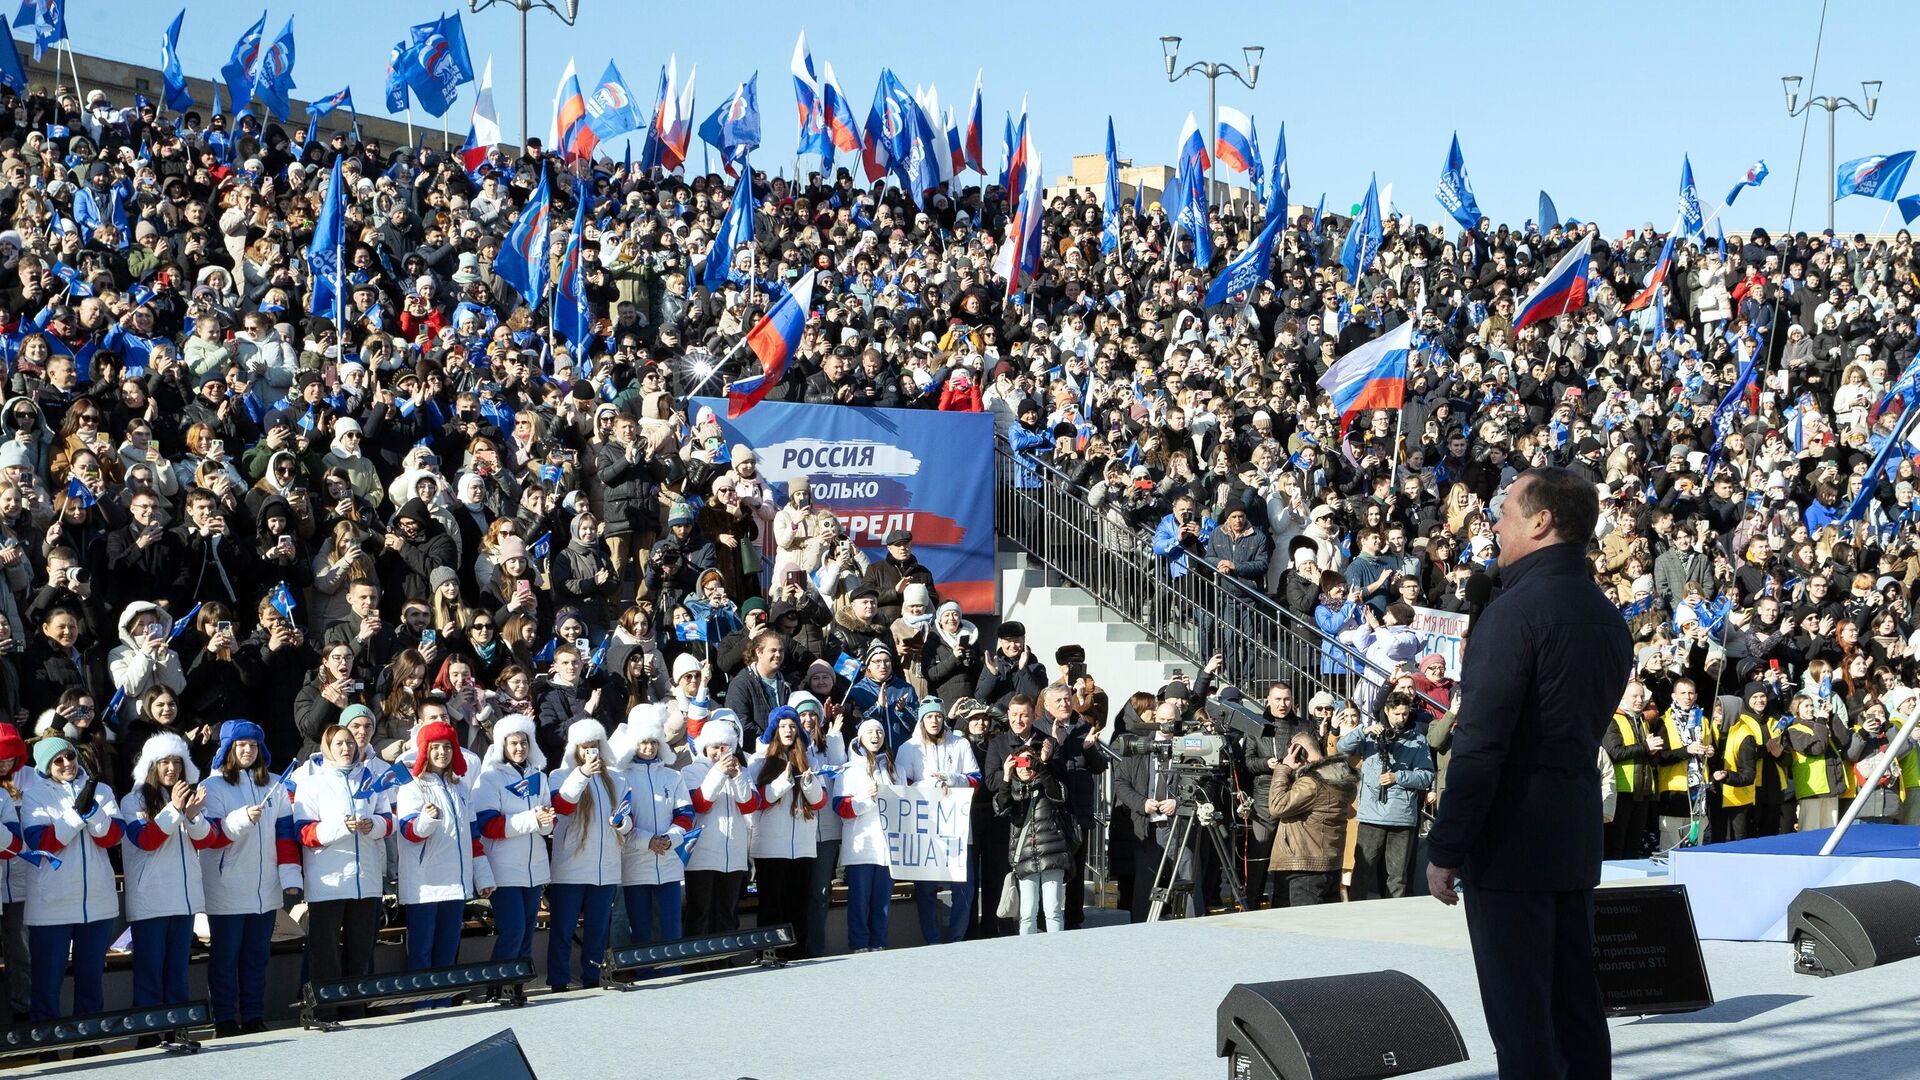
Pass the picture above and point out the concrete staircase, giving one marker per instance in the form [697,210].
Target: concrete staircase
[1119,654]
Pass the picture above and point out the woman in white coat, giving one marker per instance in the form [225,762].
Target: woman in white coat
[863,847]
[791,795]
[442,864]
[251,862]
[74,904]
[516,816]
[940,757]
[652,877]
[163,826]
[723,799]
[828,753]
[342,824]
[588,833]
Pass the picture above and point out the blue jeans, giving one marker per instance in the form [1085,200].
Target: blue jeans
[48,945]
[237,968]
[566,906]
[926,896]
[645,903]
[826,857]
[515,910]
[161,947]
[869,895]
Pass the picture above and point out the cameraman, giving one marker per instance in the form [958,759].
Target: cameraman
[1396,772]
[1144,784]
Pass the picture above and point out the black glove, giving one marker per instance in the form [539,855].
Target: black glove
[84,801]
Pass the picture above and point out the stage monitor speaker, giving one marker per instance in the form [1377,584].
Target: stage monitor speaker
[1340,1027]
[1646,953]
[496,1057]
[1844,928]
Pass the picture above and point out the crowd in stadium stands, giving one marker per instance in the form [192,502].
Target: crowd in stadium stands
[371,619]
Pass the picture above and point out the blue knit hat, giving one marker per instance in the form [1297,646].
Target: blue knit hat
[233,731]
[784,712]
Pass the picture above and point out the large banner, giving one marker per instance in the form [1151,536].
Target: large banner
[928,831]
[1444,632]
[930,473]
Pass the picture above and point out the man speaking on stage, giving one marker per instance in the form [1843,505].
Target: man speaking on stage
[1519,824]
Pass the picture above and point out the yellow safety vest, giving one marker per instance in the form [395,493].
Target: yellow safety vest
[1810,779]
[1745,730]
[1673,777]
[1626,774]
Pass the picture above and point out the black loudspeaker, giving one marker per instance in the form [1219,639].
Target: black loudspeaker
[496,1057]
[1341,1027]
[1844,928]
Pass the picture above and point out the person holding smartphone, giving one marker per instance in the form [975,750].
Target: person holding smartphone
[589,832]
[341,832]
[145,658]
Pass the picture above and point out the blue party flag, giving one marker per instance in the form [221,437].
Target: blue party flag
[685,848]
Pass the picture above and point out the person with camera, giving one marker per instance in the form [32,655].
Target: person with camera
[213,566]
[1396,772]
[1033,803]
[1181,537]
[1309,798]
[1144,784]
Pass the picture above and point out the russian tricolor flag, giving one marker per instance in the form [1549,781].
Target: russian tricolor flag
[1373,376]
[1192,144]
[1564,289]
[573,140]
[1657,278]
[841,127]
[774,339]
[674,125]
[483,134]
[808,99]
[1234,143]
[975,152]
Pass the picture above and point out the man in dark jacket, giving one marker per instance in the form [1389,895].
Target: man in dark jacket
[760,687]
[413,547]
[1520,819]
[891,575]
[213,562]
[1011,669]
[139,555]
[1238,549]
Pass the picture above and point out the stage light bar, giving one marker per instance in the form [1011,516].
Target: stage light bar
[695,950]
[172,1022]
[401,987]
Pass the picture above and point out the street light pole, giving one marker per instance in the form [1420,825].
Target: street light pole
[568,12]
[1170,51]
[1869,91]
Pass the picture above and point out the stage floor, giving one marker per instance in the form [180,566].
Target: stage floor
[1740,891]
[1118,1002]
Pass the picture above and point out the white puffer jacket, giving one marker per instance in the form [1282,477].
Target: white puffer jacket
[781,828]
[338,864]
[586,844]
[248,863]
[722,808]
[509,828]
[81,889]
[442,859]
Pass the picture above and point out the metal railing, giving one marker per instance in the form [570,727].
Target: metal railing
[1195,615]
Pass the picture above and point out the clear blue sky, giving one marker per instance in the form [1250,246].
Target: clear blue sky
[1593,102]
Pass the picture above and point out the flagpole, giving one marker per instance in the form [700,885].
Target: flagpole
[75,65]
[409,125]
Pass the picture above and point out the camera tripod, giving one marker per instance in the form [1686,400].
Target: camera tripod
[1194,810]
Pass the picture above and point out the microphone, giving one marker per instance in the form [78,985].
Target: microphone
[1479,592]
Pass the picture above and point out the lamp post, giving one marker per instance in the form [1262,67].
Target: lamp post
[1170,50]
[1869,91]
[567,10]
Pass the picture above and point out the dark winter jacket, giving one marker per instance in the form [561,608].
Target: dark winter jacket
[1039,810]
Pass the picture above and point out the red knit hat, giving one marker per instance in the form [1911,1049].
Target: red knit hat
[12,746]
[438,731]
